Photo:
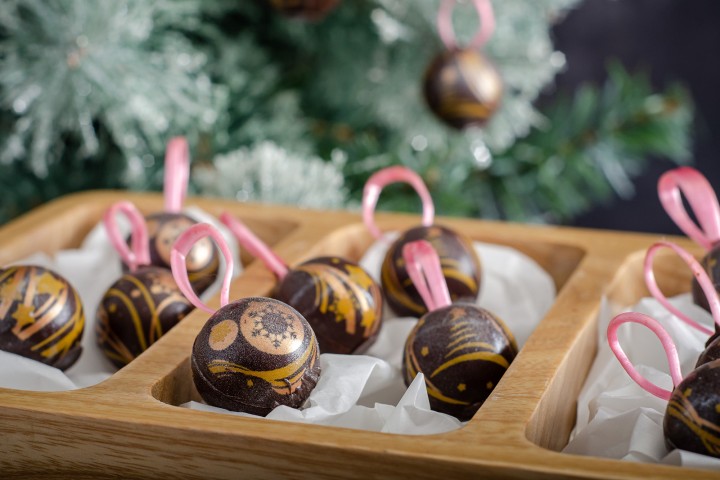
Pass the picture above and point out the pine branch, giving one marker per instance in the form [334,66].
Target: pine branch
[89,96]
[591,148]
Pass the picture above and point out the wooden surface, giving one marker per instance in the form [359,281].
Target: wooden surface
[129,426]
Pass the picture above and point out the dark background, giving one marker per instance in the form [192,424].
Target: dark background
[670,40]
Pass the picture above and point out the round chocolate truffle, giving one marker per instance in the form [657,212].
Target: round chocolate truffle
[692,417]
[202,262]
[136,311]
[340,301]
[462,87]
[255,354]
[460,266]
[41,316]
[463,351]
[710,262]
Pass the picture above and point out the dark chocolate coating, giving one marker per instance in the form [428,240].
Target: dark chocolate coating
[713,337]
[460,264]
[41,316]
[712,268]
[462,88]
[202,262]
[136,311]
[307,9]
[463,351]
[340,301]
[255,354]
[692,417]
[711,352]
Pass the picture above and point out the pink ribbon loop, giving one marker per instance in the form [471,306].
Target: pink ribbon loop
[182,247]
[702,199]
[667,343]
[423,266]
[177,174]
[447,32]
[706,284]
[383,178]
[254,245]
[138,253]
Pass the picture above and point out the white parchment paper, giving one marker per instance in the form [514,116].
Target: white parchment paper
[368,392]
[618,419]
[91,269]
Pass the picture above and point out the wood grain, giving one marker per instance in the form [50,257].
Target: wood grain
[129,426]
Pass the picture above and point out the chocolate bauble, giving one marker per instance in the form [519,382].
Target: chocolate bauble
[711,263]
[340,301]
[307,9]
[202,262]
[692,417]
[463,351]
[462,87]
[136,311]
[41,316]
[255,354]
[460,265]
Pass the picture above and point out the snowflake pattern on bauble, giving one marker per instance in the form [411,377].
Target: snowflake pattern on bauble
[273,324]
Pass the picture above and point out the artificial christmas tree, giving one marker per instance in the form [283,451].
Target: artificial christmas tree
[89,96]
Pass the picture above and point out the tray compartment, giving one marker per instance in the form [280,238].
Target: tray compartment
[626,288]
[351,242]
[65,223]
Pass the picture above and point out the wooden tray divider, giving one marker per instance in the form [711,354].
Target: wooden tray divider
[129,426]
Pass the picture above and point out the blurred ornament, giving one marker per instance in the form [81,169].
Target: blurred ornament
[305,9]
[461,86]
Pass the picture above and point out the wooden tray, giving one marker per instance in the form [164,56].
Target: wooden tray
[130,426]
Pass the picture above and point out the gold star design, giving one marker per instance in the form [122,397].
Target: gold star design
[249,383]
[48,284]
[489,385]
[23,315]
[424,351]
[10,293]
[461,387]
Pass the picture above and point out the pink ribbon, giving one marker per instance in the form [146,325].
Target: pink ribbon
[447,33]
[177,174]
[384,177]
[702,199]
[139,252]
[182,247]
[254,245]
[423,266]
[667,343]
[705,283]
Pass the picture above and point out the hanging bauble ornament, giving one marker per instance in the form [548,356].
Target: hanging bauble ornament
[461,86]
[253,354]
[305,9]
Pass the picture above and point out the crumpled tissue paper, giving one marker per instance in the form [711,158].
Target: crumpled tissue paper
[91,269]
[368,392]
[618,419]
